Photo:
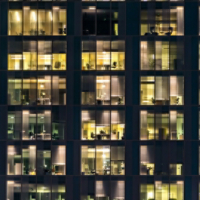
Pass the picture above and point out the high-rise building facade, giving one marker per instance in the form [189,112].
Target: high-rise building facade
[99,100]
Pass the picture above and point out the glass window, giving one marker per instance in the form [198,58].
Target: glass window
[88,160]
[59,21]
[44,90]
[43,161]
[29,91]
[147,90]
[88,90]
[88,55]
[14,189]
[43,125]
[88,125]
[106,190]
[14,91]
[15,59]
[14,125]
[147,166]
[30,20]
[14,162]
[29,125]
[28,188]
[168,21]
[100,21]
[103,120]
[36,125]
[102,160]
[89,19]
[103,55]
[117,90]
[58,90]
[58,123]
[44,55]
[176,125]
[109,90]
[162,190]
[29,160]
[110,55]
[29,55]
[58,191]
[103,21]
[15,22]
[59,55]
[45,18]
[161,126]
[117,160]
[161,55]
[162,90]
[58,160]
[37,91]
[44,190]
[103,90]
[103,125]
[117,55]
[117,125]
[147,192]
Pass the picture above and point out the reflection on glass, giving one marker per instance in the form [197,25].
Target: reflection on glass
[45,18]
[43,191]
[29,55]
[117,125]
[44,90]
[58,124]
[88,160]
[29,160]
[29,91]
[43,162]
[14,91]
[44,55]
[88,55]
[170,24]
[161,126]
[117,160]
[114,190]
[161,55]
[28,190]
[102,160]
[15,22]
[59,21]
[58,90]
[58,160]
[14,125]
[162,190]
[147,166]
[88,125]
[146,191]
[14,163]
[14,189]
[43,125]
[103,125]
[103,90]
[15,61]
[176,169]
[162,90]
[103,55]
[30,21]
[58,192]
